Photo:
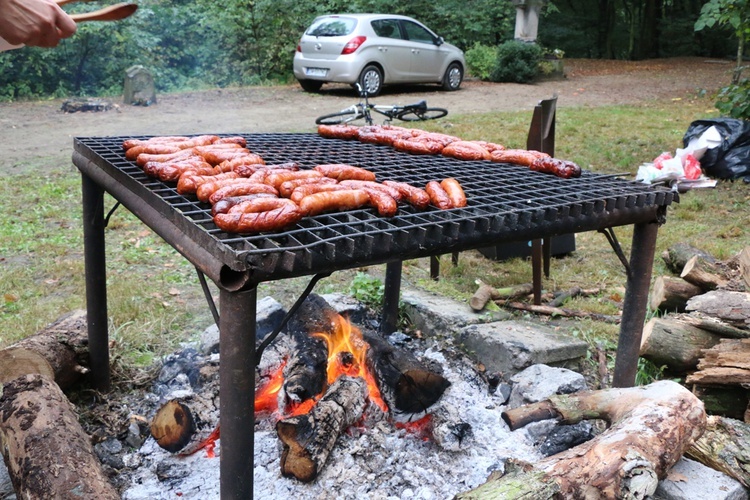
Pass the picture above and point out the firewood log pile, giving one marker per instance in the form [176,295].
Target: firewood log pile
[703,332]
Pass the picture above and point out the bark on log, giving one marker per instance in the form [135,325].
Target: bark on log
[668,341]
[485,293]
[60,351]
[408,386]
[727,363]
[676,256]
[560,311]
[725,446]
[651,427]
[44,446]
[730,307]
[704,273]
[183,425]
[713,325]
[671,294]
[307,440]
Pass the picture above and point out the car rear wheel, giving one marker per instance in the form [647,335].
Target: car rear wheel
[310,85]
[453,77]
[371,80]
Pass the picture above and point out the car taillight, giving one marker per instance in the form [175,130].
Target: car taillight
[353,44]
[299,49]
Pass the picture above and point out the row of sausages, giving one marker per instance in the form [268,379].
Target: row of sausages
[249,196]
[417,141]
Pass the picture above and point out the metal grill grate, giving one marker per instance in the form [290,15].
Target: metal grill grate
[505,203]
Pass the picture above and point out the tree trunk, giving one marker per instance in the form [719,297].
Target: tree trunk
[725,446]
[703,273]
[308,439]
[651,427]
[672,294]
[676,256]
[730,307]
[727,363]
[45,448]
[59,351]
[669,341]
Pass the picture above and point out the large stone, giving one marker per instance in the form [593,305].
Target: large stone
[139,88]
[691,480]
[510,346]
[539,382]
[437,315]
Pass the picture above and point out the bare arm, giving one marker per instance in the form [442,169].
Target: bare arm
[40,23]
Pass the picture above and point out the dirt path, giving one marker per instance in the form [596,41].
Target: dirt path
[38,134]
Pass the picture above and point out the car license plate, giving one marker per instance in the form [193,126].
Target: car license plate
[316,71]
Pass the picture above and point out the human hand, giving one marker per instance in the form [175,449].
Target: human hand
[40,23]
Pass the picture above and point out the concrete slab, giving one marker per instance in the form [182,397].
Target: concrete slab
[691,480]
[510,346]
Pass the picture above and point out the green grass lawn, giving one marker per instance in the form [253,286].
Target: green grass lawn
[155,301]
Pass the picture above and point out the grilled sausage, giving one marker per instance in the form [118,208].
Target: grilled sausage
[438,196]
[561,168]
[424,147]
[249,170]
[259,215]
[413,195]
[287,187]
[222,206]
[455,192]
[328,201]
[236,139]
[276,178]
[130,143]
[517,156]
[144,158]
[238,187]
[345,132]
[172,171]
[316,187]
[385,204]
[390,191]
[154,149]
[246,159]
[341,171]
[466,150]
[189,184]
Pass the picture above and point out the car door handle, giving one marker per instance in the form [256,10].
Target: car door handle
[415,51]
[383,49]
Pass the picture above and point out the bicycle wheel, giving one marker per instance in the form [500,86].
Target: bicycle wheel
[415,115]
[346,116]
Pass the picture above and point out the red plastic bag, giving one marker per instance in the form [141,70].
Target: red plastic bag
[692,167]
[659,160]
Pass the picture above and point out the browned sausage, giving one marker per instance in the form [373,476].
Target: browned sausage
[130,143]
[438,196]
[561,168]
[455,192]
[276,177]
[172,171]
[287,187]
[516,156]
[239,187]
[144,158]
[259,215]
[328,201]
[189,184]
[249,170]
[466,150]
[341,171]
[154,149]
[236,139]
[246,159]
[385,204]
[390,191]
[413,195]
[418,147]
[316,187]
[345,132]
[222,206]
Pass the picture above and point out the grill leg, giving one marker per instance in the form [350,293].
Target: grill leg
[96,282]
[237,392]
[391,295]
[635,304]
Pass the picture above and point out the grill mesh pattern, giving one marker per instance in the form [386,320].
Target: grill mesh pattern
[505,203]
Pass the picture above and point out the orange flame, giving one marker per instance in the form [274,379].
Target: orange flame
[266,396]
[346,356]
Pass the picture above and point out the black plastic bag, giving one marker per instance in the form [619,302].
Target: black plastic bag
[730,159]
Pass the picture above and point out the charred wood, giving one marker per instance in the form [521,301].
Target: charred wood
[408,386]
[669,342]
[46,450]
[651,427]
[184,425]
[59,351]
[725,446]
[307,440]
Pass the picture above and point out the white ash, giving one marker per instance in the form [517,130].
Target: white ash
[373,461]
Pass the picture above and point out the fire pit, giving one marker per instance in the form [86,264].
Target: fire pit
[506,204]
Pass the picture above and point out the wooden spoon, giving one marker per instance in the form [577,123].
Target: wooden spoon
[111,13]
[65,2]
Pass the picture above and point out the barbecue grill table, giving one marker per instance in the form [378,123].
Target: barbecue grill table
[506,203]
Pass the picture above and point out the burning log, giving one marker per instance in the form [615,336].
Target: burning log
[671,294]
[725,446]
[406,385]
[47,452]
[185,425]
[308,439]
[651,427]
[674,343]
[59,351]
[306,371]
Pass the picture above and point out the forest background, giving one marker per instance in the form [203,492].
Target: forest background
[198,44]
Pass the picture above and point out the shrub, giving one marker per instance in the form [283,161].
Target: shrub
[516,62]
[481,60]
[734,100]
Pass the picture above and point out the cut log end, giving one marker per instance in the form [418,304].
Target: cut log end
[173,426]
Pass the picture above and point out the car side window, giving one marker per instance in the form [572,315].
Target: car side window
[386,28]
[417,33]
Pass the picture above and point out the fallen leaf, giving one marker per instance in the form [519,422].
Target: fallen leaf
[174,291]
[677,477]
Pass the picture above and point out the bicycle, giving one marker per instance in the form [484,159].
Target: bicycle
[363,109]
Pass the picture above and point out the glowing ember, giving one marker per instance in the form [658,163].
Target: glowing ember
[346,356]
[266,396]
[421,427]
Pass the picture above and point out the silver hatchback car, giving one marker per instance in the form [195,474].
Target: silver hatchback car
[373,50]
